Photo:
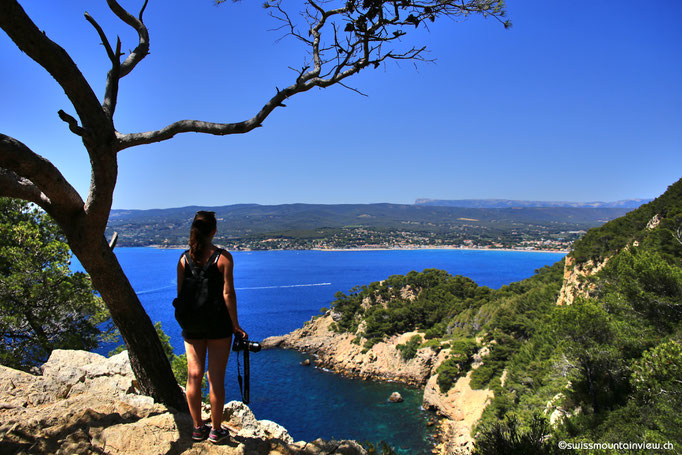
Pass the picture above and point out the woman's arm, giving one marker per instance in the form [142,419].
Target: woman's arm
[226,265]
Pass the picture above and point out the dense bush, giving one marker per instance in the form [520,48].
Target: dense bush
[434,345]
[457,364]
[507,438]
[409,349]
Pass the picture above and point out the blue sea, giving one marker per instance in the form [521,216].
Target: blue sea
[278,291]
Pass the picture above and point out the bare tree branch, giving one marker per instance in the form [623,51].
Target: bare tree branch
[97,128]
[118,69]
[370,26]
[105,42]
[302,84]
[352,89]
[111,88]
[52,57]
[677,234]
[142,48]
[16,158]
[72,122]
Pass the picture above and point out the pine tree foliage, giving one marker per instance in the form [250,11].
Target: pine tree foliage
[43,304]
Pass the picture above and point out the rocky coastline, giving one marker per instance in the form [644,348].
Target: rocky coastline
[459,409]
[84,403]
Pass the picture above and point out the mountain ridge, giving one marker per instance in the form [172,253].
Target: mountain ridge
[508,203]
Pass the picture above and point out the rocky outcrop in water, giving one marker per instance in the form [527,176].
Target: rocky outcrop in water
[86,403]
[342,353]
[395,398]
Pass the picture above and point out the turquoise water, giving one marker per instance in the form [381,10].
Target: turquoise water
[278,291]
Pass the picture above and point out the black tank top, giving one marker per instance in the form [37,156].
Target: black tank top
[217,323]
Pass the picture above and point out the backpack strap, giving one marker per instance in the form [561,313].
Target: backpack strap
[215,257]
[192,267]
[196,271]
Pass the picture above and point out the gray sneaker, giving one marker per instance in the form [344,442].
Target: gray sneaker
[200,433]
[216,436]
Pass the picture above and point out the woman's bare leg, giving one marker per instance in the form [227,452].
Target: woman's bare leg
[218,353]
[196,362]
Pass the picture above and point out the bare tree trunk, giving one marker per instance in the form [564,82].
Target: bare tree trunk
[149,362]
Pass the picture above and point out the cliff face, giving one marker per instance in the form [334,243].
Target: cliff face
[576,283]
[86,403]
[576,274]
[461,405]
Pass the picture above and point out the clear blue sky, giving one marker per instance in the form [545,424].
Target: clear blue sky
[579,101]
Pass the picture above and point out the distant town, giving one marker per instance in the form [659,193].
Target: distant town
[362,238]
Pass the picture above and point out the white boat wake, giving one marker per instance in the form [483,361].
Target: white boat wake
[151,291]
[285,286]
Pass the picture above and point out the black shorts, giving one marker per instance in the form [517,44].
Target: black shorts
[213,328]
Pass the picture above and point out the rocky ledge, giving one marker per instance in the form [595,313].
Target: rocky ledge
[86,403]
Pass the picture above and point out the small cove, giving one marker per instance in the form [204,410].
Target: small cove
[278,291]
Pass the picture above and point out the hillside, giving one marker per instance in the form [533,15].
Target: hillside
[663,213]
[359,225]
[607,367]
[512,370]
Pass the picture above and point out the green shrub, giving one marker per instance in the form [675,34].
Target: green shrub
[602,242]
[462,348]
[457,364]
[409,349]
[433,344]
[436,331]
[508,438]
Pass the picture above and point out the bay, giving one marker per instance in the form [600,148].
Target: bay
[278,291]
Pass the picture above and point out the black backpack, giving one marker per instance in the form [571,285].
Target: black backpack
[193,306]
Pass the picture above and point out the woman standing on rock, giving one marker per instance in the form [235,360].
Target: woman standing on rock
[207,313]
